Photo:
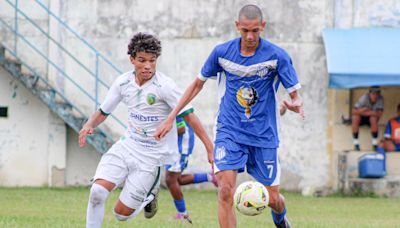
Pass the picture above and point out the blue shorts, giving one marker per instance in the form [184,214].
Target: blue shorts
[261,163]
[180,165]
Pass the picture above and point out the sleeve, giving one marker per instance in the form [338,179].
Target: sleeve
[211,67]
[361,102]
[287,74]
[112,99]
[388,131]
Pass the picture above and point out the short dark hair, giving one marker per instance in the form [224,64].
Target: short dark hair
[374,89]
[250,12]
[143,42]
[398,107]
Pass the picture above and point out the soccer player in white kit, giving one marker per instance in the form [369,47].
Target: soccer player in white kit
[137,157]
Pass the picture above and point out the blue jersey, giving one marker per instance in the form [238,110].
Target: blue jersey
[248,110]
[185,140]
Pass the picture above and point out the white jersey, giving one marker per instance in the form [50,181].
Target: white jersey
[148,106]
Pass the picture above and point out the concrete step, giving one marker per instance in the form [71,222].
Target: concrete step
[388,186]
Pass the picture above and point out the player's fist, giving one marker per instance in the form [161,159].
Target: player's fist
[164,128]
[295,106]
[86,130]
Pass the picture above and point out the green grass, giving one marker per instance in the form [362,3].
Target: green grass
[49,207]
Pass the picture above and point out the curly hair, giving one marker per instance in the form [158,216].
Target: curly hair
[142,42]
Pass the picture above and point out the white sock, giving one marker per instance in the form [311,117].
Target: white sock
[95,209]
[374,141]
[356,141]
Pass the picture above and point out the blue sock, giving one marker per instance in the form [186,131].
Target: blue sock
[180,205]
[200,178]
[278,217]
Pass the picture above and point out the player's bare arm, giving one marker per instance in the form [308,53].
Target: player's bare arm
[198,129]
[296,104]
[87,129]
[187,96]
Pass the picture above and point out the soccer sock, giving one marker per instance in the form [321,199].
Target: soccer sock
[95,209]
[374,138]
[278,218]
[355,138]
[200,178]
[180,206]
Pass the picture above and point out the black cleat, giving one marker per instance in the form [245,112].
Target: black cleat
[284,224]
[151,208]
[357,147]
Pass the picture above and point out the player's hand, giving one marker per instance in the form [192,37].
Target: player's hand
[164,128]
[295,106]
[86,130]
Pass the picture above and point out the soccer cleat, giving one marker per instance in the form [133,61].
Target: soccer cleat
[357,147]
[214,179]
[151,208]
[182,216]
[284,224]
[374,147]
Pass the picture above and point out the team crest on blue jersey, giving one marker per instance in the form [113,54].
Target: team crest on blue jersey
[151,99]
[263,71]
[247,97]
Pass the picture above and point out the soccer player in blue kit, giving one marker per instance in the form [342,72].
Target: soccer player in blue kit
[173,175]
[248,69]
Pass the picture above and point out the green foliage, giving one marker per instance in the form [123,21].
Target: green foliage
[58,207]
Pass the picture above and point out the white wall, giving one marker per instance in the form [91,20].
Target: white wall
[32,139]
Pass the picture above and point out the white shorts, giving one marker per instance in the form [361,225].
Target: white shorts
[117,166]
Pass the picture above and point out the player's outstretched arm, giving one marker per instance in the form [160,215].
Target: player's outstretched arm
[296,105]
[187,96]
[87,129]
[198,129]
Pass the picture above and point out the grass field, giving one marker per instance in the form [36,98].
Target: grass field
[49,207]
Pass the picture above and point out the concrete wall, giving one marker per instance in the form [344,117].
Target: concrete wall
[32,139]
[188,31]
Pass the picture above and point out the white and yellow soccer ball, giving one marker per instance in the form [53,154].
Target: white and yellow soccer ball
[251,198]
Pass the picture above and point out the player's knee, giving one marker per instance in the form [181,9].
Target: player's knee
[226,194]
[121,217]
[170,180]
[180,181]
[98,194]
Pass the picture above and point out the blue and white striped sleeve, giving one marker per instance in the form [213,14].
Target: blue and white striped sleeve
[287,74]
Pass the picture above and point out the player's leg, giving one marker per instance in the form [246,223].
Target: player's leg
[278,208]
[197,178]
[140,190]
[229,158]
[355,125]
[373,120]
[95,210]
[110,173]
[172,175]
[263,164]
[226,189]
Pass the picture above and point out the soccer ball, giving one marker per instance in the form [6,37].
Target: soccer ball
[251,198]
